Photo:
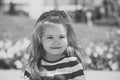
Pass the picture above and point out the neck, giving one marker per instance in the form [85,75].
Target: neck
[53,57]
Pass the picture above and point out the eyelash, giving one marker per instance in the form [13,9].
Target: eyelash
[61,37]
[49,37]
[52,37]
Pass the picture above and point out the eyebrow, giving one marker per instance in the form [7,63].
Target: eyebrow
[59,35]
[48,35]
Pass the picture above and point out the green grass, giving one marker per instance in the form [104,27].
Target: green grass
[87,34]
[18,27]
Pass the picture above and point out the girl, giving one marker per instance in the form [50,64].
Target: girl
[55,54]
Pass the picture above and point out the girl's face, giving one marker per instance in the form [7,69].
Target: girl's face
[54,39]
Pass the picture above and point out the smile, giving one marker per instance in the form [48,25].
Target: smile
[55,47]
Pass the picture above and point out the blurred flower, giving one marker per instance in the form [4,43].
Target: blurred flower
[18,64]
[91,44]
[105,48]
[111,49]
[95,54]
[99,50]
[89,61]
[7,44]
[109,55]
[114,65]
[3,54]
[88,50]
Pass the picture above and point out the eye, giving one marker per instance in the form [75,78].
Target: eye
[62,37]
[50,37]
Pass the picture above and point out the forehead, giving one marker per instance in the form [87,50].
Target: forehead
[54,28]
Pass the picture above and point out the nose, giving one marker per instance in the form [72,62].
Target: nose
[56,42]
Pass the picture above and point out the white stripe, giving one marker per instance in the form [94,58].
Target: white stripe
[62,61]
[77,67]
[65,70]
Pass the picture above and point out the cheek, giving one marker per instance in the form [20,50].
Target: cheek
[45,43]
[65,42]
[45,46]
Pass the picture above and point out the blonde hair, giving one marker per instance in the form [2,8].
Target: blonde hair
[37,51]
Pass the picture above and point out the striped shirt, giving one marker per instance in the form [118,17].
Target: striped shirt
[69,67]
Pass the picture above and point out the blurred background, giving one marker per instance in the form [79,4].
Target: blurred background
[96,24]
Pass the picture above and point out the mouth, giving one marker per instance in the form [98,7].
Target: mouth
[55,47]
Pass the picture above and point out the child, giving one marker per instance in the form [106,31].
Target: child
[55,54]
